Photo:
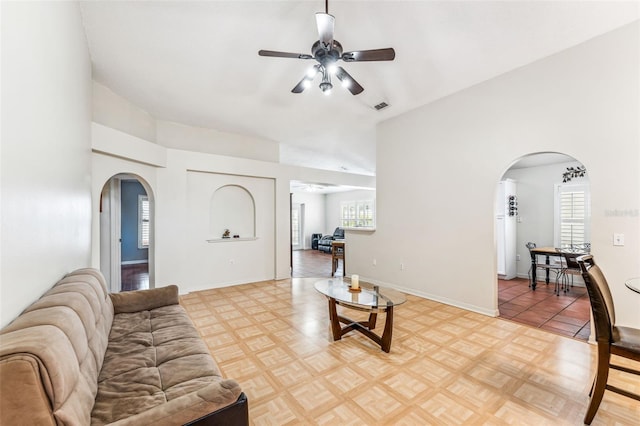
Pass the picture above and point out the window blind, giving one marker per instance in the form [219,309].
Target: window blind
[143,221]
[573,215]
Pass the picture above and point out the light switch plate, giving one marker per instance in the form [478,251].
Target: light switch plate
[618,239]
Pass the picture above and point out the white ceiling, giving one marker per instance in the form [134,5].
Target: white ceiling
[197,63]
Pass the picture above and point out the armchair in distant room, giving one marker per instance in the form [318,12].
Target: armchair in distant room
[325,242]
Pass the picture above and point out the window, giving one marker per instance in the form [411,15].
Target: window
[572,218]
[296,226]
[357,214]
[143,221]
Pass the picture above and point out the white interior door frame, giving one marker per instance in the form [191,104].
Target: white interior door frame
[115,237]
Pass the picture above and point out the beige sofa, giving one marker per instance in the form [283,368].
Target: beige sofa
[80,356]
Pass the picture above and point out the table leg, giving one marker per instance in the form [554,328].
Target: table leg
[547,263]
[336,329]
[533,272]
[373,316]
[385,342]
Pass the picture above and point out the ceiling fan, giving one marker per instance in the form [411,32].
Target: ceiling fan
[327,52]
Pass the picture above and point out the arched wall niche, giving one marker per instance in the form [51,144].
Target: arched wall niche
[232,207]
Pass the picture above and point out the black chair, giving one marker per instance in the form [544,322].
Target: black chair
[610,338]
[324,244]
[314,241]
[570,267]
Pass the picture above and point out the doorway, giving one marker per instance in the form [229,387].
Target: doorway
[539,181]
[126,233]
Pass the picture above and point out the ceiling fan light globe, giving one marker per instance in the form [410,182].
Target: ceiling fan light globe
[332,69]
[326,87]
[306,83]
[311,72]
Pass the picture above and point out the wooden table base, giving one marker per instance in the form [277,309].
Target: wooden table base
[363,327]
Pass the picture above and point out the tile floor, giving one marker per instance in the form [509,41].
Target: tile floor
[566,314]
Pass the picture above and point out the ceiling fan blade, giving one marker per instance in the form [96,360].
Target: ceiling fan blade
[307,79]
[299,88]
[276,54]
[348,81]
[387,54]
[325,24]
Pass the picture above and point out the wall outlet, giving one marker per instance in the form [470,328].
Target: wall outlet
[517,258]
[374,262]
[618,239]
[402,266]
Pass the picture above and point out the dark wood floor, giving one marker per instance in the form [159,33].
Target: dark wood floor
[313,263]
[567,314]
[135,277]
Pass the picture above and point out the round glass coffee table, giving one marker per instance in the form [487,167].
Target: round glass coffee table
[633,284]
[371,298]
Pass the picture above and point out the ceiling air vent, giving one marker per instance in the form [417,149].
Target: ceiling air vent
[381,105]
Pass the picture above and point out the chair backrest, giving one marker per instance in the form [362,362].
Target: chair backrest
[571,259]
[338,233]
[604,315]
[530,245]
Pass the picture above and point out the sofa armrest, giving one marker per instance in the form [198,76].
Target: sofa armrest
[144,300]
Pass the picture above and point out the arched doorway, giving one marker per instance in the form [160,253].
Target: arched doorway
[126,233]
[548,204]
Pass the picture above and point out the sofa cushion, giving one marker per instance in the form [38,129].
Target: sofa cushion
[154,357]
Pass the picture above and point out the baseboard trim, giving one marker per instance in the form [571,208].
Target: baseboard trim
[446,301]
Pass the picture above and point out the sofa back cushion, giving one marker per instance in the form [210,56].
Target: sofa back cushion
[64,334]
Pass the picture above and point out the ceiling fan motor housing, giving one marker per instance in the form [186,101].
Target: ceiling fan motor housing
[327,57]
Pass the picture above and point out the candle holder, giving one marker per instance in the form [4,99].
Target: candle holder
[355,290]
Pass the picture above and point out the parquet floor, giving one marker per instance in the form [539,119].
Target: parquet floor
[566,314]
[446,366]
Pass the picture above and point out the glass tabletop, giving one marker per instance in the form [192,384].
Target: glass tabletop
[371,296]
[633,284]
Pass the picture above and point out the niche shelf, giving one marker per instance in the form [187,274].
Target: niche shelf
[229,240]
[232,207]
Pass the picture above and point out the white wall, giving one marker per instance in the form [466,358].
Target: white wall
[112,110]
[536,207]
[314,214]
[169,173]
[228,261]
[438,167]
[179,136]
[46,165]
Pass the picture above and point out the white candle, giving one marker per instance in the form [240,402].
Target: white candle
[355,282]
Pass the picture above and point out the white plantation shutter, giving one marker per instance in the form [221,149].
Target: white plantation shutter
[357,214]
[143,221]
[572,215]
